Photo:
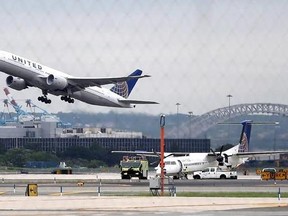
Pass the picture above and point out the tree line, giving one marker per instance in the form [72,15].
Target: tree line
[76,156]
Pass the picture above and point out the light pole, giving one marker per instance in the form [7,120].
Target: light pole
[229,114]
[177,104]
[162,149]
[190,117]
[229,103]
[276,125]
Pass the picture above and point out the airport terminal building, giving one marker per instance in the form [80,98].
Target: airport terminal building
[117,144]
[48,136]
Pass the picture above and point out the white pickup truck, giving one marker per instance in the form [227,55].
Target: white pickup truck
[215,173]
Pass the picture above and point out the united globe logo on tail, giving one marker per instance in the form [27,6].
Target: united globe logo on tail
[245,136]
[121,89]
[125,88]
[244,144]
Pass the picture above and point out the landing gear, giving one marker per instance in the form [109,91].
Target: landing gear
[67,99]
[44,99]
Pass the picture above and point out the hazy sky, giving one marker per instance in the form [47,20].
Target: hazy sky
[197,52]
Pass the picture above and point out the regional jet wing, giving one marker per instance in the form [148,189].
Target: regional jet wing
[151,154]
[84,82]
[142,153]
[263,153]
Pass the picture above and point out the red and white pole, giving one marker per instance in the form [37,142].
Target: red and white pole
[162,150]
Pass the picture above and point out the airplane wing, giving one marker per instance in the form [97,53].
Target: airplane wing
[151,154]
[264,153]
[136,101]
[84,82]
[143,153]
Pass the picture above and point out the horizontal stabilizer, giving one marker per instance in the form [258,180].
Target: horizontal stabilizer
[136,102]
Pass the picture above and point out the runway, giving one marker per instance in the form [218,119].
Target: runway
[112,182]
[60,195]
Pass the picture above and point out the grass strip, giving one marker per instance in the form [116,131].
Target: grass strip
[232,194]
[205,194]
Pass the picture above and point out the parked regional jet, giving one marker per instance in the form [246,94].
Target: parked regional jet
[180,166]
[24,73]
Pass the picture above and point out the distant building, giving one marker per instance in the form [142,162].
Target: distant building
[129,144]
[51,136]
[50,129]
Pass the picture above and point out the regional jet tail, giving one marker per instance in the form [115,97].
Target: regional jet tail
[24,73]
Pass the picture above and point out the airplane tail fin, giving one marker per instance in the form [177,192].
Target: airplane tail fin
[245,136]
[125,88]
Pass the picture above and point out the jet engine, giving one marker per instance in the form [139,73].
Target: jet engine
[16,83]
[56,82]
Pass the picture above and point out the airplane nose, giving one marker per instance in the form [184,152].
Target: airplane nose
[158,170]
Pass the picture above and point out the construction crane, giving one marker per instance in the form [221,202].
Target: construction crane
[45,116]
[3,118]
[21,114]
[30,116]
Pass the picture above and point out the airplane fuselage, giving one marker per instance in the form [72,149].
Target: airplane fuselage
[177,165]
[186,164]
[33,74]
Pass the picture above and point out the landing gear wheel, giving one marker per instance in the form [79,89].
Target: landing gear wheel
[44,99]
[67,99]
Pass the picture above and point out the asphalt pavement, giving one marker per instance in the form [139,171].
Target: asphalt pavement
[73,199]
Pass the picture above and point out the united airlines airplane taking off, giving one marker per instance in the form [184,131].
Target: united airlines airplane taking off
[24,73]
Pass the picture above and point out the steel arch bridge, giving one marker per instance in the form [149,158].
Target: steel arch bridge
[204,122]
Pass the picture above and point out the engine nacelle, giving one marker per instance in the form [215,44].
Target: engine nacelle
[56,82]
[16,83]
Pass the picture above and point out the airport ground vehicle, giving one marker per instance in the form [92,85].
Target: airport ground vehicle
[134,167]
[62,169]
[273,174]
[215,173]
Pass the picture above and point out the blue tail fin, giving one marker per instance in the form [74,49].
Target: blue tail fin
[245,136]
[125,88]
